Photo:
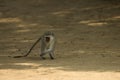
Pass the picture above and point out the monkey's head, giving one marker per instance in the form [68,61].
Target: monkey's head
[47,35]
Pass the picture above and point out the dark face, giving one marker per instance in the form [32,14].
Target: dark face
[47,39]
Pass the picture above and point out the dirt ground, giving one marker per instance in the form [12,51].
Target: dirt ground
[88,39]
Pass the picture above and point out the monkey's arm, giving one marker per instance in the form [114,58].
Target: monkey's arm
[50,48]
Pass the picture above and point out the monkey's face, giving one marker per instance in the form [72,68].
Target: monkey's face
[47,39]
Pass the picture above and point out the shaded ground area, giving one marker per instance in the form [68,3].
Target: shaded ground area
[88,39]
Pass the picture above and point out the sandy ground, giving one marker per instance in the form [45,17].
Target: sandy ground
[88,39]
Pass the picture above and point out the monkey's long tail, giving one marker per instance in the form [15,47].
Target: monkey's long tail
[29,49]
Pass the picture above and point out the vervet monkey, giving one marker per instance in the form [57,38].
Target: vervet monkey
[47,45]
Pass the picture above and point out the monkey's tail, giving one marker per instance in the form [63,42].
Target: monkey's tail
[29,49]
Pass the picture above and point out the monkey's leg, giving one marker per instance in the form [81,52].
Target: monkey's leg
[42,55]
[51,55]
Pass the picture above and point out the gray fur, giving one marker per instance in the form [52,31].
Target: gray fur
[47,47]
